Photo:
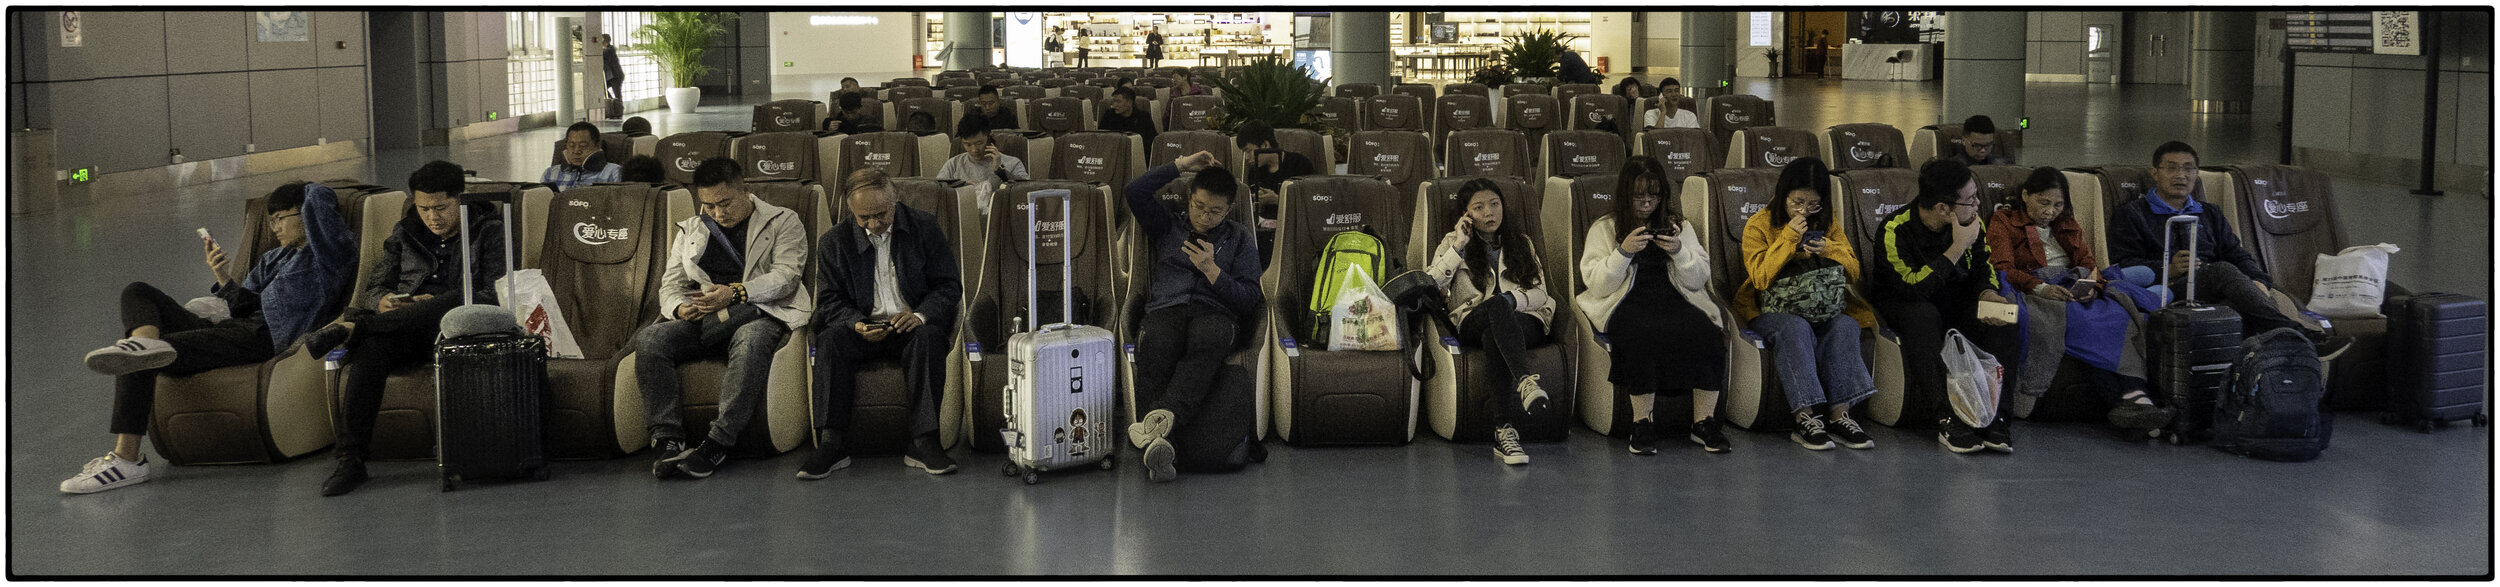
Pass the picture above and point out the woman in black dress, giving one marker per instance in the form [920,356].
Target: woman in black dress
[1647,276]
[1154,49]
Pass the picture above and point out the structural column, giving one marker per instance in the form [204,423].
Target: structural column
[2224,65]
[1358,47]
[968,35]
[1983,66]
[1705,64]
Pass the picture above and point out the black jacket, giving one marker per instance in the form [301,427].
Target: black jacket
[2135,239]
[1004,120]
[924,270]
[1142,123]
[408,260]
[1909,262]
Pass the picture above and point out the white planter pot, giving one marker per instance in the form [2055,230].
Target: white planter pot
[683,100]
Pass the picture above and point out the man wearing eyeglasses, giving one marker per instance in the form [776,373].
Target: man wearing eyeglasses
[2225,272]
[1933,276]
[1204,280]
[289,290]
[1979,143]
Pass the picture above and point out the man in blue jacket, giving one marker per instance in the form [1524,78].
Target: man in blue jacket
[2225,272]
[289,290]
[1205,280]
[886,286]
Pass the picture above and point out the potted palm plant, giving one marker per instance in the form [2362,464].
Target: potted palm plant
[1534,57]
[676,40]
[1271,90]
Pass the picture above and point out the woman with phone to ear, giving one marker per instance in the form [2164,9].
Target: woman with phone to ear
[2041,249]
[1499,303]
[1647,280]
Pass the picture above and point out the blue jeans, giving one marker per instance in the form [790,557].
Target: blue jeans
[1817,364]
[660,347]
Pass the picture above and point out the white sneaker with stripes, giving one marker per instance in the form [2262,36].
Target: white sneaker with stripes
[131,355]
[107,472]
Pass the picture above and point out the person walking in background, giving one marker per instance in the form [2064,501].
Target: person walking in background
[615,67]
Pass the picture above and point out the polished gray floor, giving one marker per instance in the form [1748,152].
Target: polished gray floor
[2075,501]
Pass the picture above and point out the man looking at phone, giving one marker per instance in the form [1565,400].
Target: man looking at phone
[1934,275]
[392,323]
[290,289]
[731,285]
[1270,168]
[1205,279]
[981,162]
[886,287]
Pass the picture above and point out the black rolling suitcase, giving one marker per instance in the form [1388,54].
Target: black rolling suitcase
[2435,356]
[488,387]
[2190,348]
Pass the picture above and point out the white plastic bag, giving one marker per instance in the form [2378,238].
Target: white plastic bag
[1974,380]
[1363,319]
[2351,283]
[533,305]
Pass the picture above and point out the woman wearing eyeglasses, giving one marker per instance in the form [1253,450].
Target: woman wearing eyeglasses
[2042,250]
[1798,267]
[1648,277]
[1932,275]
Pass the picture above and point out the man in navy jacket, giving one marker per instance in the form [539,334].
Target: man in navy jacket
[886,286]
[1205,276]
[2237,280]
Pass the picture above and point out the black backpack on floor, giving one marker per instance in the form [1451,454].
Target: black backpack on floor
[2272,407]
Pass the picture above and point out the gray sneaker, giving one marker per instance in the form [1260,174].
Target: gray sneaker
[1151,428]
[1158,459]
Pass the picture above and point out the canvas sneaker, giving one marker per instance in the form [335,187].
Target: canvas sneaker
[1849,433]
[1506,446]
[131,355]
[105,473]
[1810,433]
[1532,398]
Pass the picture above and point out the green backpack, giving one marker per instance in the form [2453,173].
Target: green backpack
[1346,248]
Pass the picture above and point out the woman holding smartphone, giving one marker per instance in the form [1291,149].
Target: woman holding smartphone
[2041,249]
[1798,267]
[1497,296]
[1647,278]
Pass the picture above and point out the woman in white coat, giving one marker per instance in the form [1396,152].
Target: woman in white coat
[1647,278]
[1497,296]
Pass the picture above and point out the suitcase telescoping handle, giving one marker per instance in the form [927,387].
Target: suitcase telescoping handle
[2166,235]
[468,269]
[1033,266]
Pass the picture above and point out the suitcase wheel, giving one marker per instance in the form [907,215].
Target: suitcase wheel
[1031,478]
[451,482]
[1108,463]
[1011,469]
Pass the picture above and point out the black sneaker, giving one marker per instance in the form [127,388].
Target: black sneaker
[1644,437]
[319,342]
[1506,446]
[925,455]
[1847,431]
[703,460]
[830,456]
[1998,436]
[1810,433]
[664,454]
[1707,434]
[349,475]
[1957,437]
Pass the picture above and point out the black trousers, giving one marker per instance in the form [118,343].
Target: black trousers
[1921,324]
[1179,354]
[384,342]
[1505,334]
[199,345]
[840,351]
[2224,283]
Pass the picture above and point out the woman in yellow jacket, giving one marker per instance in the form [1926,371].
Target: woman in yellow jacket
[1798,267]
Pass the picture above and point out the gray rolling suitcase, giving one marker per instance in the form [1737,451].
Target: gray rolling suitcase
[1061,393]
[489,386]
[2436,356]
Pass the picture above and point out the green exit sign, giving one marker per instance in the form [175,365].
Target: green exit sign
[82,174]
[789,64]
[2025,123]
[494,115]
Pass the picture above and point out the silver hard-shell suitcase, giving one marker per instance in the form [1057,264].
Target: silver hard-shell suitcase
[1061,393]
